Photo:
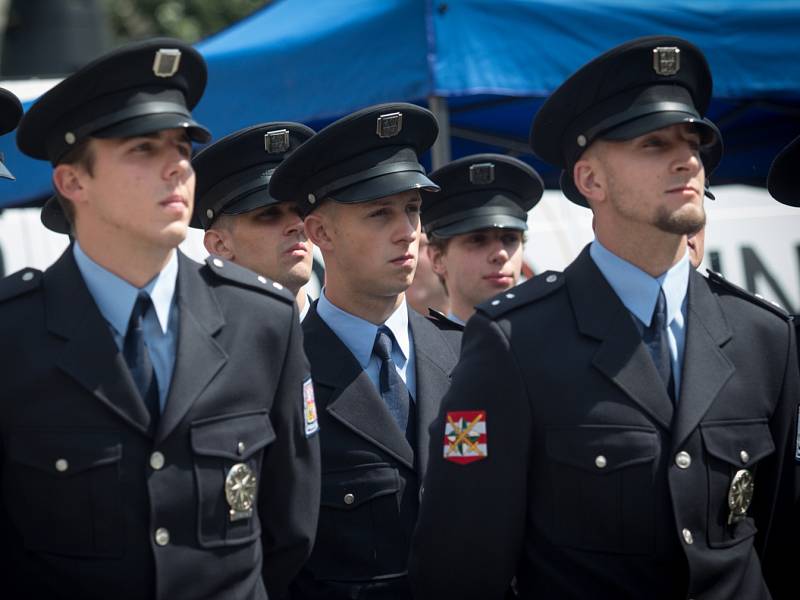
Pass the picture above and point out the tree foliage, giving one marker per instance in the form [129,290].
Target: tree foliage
[189,20]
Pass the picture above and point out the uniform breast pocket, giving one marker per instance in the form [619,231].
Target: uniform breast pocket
[734,448]
[602,486]
[360,534]
[228,451]
[62,490]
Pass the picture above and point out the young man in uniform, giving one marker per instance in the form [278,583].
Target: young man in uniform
[476,226]
[643,447]
[242,222]
[379,369]
[153,427]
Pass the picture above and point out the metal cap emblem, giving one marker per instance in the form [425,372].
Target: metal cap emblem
[481,173]
[666,60]
[740,494]
[276,142]
[240,491]
[166,62]
[389,125]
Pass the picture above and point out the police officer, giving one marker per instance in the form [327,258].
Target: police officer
[476,227]
[379,369]
[643,437]
[157,423]
[242,222]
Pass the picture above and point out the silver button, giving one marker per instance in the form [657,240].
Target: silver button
[62,465]
[312,198]
[349,498]
[509,295]
[581,140]
[683,460]
[240,447]
[69,137]
[262,279]
[687,536]
[156,461]
[277,285]
[210,213]
[218,263]
[162,536]
[551,278]
[27,276]
[495,302]
[600,461]
[744,456]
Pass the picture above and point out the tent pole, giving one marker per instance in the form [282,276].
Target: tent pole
[440,152]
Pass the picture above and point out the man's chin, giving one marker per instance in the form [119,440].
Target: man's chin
[687,220]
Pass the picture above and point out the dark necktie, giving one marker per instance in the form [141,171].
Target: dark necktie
[657,342]
[138,358]
[393,389]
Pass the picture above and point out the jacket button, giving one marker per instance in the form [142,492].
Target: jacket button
[683,460]
[349,498]
[687,536]
[600,461]
[156,461]
[162,536]
[62,465]
[744,456]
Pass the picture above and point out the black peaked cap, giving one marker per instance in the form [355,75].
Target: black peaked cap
[781,182]
[10,113]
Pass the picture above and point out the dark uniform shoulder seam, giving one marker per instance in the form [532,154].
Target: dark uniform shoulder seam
[719,280]
[242,277]
[532,290]
[442,321]
[19,283]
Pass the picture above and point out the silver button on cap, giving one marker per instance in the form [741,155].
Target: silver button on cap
[62,465]
[600,461]
[162,536]
[683,460]
[349,498]
[687,536]
[744,456]
[156,460]
[240,448]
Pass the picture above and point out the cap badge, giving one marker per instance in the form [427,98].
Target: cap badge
[481,173]
[166,62]
[389,125]
[666,60]
[240,491]
[276,142]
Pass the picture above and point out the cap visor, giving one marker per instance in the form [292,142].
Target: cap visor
[482,222]
[53,217]
[383,186]
[154,123]
[5,173]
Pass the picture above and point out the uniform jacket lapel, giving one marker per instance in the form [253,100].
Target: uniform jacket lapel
[352,399]
[435,362]
[199,358]
[621,356]
[706,369]
[89,354]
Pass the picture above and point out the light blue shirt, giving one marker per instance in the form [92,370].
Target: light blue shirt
[359,337]
[115,298]
[639,291]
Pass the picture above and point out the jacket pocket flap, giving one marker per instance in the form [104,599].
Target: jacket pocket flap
[602,448]
[349,489]
[738,442]
[64,453]
[236,437]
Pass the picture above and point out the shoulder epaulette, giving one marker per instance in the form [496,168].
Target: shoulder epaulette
[719,280]
[442,322]
[19,283]
[532,290]
[242,277]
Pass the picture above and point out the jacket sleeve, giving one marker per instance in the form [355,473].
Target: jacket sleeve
[289,503]
[473,507]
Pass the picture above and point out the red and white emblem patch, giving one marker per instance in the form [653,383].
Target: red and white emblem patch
[465,436]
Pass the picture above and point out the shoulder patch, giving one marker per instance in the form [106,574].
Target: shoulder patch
[442,322]
[238,275]
[19,283]
[532,290]
[719,280]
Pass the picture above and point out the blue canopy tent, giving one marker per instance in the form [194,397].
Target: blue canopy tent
[484,67]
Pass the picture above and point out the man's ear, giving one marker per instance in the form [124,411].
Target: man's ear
[318,226]
[68,181]
[589,180]
[438,263]
[219,243]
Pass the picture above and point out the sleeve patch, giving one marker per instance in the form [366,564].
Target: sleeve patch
[309,408]
[465,438]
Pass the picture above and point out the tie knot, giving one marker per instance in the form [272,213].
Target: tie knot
[140,307]
[659,320]
[383,344]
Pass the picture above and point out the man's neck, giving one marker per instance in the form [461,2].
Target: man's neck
[462,310]
[301,298]
[653,252]
[370,308]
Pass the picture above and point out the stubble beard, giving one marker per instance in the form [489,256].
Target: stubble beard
[687,220]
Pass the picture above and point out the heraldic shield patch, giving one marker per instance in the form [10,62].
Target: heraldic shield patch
[465,436]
